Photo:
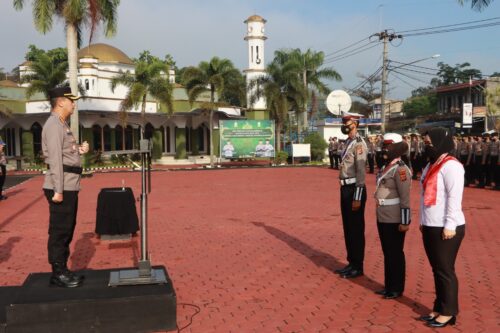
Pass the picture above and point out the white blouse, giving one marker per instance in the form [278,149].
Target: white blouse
[447,212]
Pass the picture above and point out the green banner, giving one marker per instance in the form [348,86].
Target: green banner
[246,138]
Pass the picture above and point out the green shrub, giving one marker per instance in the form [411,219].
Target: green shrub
[318,146]
[281,157]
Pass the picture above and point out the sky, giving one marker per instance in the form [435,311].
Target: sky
[196,30]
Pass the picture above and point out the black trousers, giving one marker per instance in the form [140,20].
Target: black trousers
[415,164]
[467,175]
[492,169]
[442,255]
[393,242]
[379,159]
[330,156]
[479,173]
[354,226]
[3,174]
[336,159]
[62,224]
[371,162]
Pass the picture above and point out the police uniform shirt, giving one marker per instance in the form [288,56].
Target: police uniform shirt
[447,212]
[481,149]
[353,163]
[394,182]
[60,148]
[371,147]
[414,146]
[494,148]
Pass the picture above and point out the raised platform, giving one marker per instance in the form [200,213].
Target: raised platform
[94,307]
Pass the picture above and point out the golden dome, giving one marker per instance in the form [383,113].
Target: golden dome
[255,18]
[105,53]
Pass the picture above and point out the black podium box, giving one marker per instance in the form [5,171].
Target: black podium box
[116,212]
[93,307]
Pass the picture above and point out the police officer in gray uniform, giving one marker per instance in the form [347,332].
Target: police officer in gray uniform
[62,183]
[392,197]
[494,150]
[353,197]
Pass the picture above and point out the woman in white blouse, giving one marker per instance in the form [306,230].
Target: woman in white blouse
[442,223]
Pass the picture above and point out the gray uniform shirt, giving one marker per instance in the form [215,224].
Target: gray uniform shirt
[393,181]
[354,161]
[60,148]
[494,148]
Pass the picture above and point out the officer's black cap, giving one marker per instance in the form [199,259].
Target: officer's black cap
[62,92]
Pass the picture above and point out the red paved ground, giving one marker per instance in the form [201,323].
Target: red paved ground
[255,250]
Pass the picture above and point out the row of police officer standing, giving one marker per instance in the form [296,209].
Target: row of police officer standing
[442,230]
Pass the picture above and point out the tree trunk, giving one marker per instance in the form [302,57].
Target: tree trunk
[143,116]
[71,44]
[279,125]
[211,126]
[304,115]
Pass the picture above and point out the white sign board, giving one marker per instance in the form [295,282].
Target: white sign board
[301,150]
[467,115]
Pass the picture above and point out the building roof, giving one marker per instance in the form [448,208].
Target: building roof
[8,83]
[105,53]
[460,86]
[255,18]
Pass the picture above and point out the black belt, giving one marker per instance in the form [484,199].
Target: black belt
[71,169]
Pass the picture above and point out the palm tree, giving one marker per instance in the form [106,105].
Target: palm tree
[209,76]
[150,77]
[45,75]
[282,89]
[478,5]
[309,65]
[76,14]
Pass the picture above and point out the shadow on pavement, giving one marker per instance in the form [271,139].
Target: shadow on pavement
[11,218]
[7,247]
[325,260]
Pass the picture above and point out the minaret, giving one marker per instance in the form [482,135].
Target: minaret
[255,38]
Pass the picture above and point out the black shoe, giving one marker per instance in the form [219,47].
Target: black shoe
[426,318]
[392,294]
[343,270]
[64,280]
[353,273]
[437,324]
[381,292]
[3,197]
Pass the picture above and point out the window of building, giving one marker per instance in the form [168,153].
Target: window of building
[119,134]
[167,136]
[10,140]
[188,139]
[129,137]
[106,131]
[251,53]
[201,139]
[87,84]
[97,137]
[36,129]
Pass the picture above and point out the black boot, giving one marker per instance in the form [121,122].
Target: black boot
[61,277]
[80,278]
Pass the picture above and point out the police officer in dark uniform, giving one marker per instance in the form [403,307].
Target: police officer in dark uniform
[392,197]
[62,183]
[353,197]
[494,159]
[465,153]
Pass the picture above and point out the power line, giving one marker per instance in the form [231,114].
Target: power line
[415,71]
[366,80]
[407,83]
[452,30]
[351,51]
[350,54]
[450,25]
[417,66]
[411,77]
[347,47]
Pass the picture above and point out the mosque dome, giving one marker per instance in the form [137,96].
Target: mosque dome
[255,18]
[104,53]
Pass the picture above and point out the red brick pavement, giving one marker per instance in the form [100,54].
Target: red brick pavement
[254,249]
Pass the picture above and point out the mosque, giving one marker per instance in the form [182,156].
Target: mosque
[177,137]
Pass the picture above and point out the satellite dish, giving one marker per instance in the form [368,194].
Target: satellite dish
[338,102]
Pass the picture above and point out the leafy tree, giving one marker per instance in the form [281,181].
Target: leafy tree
[58,55]
[283,90]
[478,5]
[211,76]
[76,14]
[460,73]
[309,66]
[148,78]
[46,74]
[235,90]
[420,105]
[496,74]
[318,146]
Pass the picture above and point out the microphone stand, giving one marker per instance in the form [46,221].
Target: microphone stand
[144,274]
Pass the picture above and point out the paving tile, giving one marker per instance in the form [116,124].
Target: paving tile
[255,250]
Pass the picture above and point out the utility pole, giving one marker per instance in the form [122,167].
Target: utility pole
[385,37]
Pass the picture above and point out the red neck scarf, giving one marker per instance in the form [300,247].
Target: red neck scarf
[430,182]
